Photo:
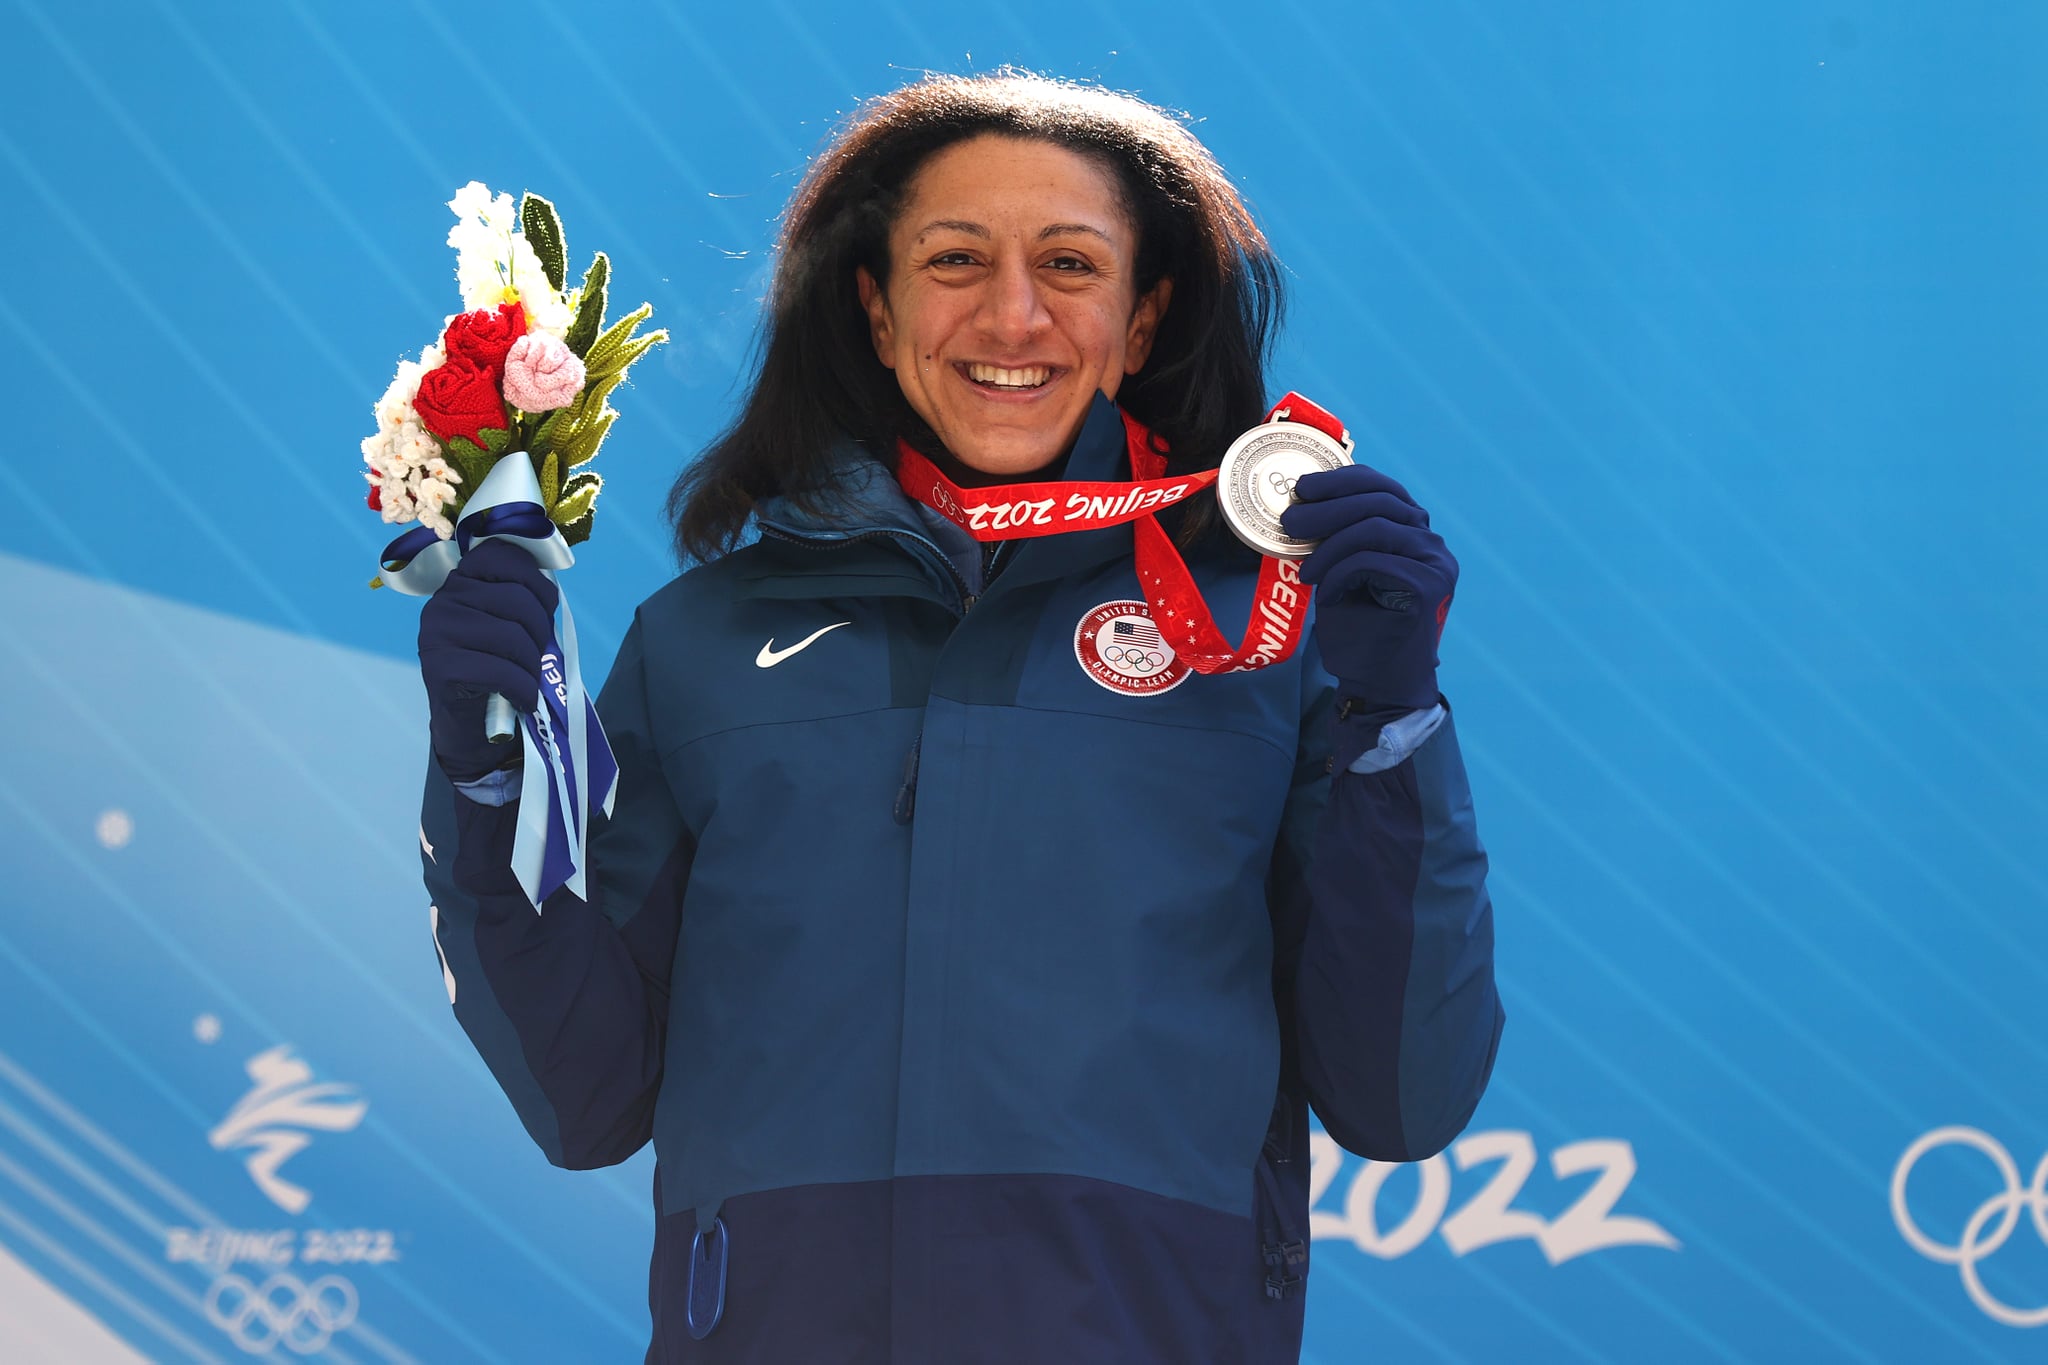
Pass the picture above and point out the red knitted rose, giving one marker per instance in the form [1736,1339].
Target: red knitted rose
[485,335]
[460,399]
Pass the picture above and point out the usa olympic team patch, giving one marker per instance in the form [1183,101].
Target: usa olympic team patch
[1120,647]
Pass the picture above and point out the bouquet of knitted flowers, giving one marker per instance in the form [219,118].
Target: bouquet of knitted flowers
[527,369]
[487,437]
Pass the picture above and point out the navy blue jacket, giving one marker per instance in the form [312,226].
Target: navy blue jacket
[974,1007]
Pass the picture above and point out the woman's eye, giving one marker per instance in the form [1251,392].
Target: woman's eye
[952,258]
[1070,264]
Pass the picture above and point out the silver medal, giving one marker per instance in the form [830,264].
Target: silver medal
[1255,482]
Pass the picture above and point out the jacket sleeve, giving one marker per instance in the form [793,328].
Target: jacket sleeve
[1383,937]
[568,1007]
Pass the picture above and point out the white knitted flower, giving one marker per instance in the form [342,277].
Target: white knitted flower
[495,264]
[474,203]
[483,226]
[546,309]
[404,460]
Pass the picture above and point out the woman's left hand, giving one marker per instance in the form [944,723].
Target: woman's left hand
[1383,583]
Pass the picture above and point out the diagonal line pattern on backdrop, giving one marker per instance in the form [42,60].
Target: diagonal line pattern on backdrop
[2025,709]
[396,1004]
[1681,358]
[467,1200]
[1758,719]
[89,1024]
[1730,511]
[1698,950]
[1741,1265]
[135,1262]
[1744,797]
[1741,1174]
[155,1227]
[1624,591]
[31,1235]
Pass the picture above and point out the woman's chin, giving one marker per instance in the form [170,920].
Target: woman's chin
[1011,449]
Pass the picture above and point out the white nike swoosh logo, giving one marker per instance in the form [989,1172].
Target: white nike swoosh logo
[771,656]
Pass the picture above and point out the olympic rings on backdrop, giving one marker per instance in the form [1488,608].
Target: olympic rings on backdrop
[255,1319]
[1976,1244]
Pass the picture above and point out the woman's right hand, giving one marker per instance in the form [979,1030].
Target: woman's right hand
[483,631]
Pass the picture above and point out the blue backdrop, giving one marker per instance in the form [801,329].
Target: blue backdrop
[1712,337]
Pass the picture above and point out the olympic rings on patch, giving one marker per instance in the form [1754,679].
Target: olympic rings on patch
[1134,657]
[256,1319]
[1976,1244]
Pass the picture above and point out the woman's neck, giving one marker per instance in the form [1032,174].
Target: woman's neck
[968,477]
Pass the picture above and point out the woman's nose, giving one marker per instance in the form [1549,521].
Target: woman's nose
[1011,310]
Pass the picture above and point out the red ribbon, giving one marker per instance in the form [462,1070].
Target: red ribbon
[1023,510]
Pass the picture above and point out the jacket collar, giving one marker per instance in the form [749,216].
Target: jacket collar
[866,500]
[866,496]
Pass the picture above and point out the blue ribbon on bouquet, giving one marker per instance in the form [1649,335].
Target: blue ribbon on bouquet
[566,761]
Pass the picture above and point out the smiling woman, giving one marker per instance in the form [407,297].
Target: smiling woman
[974,929]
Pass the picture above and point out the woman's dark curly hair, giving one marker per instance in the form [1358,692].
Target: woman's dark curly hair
[1202,385]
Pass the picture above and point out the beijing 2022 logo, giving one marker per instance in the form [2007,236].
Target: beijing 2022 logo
[1988,1228]
[286,1298]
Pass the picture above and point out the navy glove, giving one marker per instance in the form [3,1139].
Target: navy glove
[483,631]
[1383,582]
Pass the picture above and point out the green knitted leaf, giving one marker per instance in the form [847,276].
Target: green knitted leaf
[547,430]
[496,439]
[577,531]
[470,461]
[615,336]
[589,319]
[577,496]
[632,351]
[582,447]
[543,229]
[593,396]
[550,473]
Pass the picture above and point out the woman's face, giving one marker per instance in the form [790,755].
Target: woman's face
[1011,299]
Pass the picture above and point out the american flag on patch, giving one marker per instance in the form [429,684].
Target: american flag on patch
[1137,633]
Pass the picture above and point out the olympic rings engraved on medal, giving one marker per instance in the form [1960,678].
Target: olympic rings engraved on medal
[1256,478]
[280,1320]
[1975,1245]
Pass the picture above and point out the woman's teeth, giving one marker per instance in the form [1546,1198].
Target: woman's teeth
[998,378]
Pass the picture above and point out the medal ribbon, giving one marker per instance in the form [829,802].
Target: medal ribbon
[1024,510]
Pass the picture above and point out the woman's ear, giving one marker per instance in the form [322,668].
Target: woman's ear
[877,305]
[1145,324]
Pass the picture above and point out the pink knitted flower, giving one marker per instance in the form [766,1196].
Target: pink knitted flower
[542,373]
